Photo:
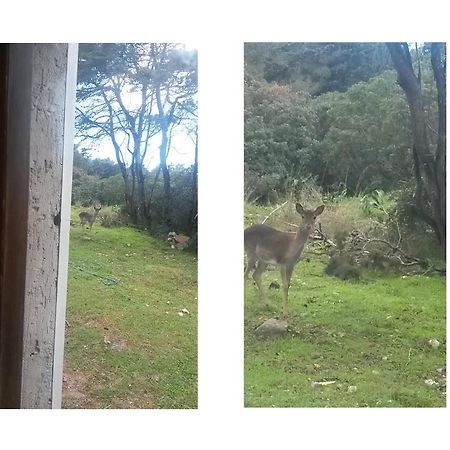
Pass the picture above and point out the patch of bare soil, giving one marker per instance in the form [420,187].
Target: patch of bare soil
[134,401]
[75,393]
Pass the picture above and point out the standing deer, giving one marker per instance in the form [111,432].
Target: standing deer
[265,245]
[89,218]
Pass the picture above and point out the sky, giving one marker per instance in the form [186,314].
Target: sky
[182,150]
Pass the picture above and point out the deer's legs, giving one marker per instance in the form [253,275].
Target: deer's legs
[251,263]
[260,268]
[286,274]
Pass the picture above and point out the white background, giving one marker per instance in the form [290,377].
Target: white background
[218,30]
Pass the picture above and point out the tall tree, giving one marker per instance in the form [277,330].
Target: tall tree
[429,158]
[126,93]
[174,77]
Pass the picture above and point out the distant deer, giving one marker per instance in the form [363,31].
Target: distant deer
[265,245]
[179,241]
[87,218]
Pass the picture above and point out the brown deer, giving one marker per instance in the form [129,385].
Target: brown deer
[265,245]
[178,241]
[87,218]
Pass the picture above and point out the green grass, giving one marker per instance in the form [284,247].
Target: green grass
[127,346]
[371,334]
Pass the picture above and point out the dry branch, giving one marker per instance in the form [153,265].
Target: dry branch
[276,209]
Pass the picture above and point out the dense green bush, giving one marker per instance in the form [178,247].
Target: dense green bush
[113,216]
[182,198]
[358,140]
[99,180]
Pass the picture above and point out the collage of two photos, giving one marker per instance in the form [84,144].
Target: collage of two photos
[344,214]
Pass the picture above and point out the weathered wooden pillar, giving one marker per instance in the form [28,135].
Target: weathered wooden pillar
[39,145]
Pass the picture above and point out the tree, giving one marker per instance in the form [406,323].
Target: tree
[429,158]
[131,93]
[316,67]
[363,137]
[279,129]
[175,84]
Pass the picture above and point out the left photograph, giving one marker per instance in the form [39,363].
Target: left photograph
[98,216]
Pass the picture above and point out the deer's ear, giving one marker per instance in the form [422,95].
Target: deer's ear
[319,210]
[300,209]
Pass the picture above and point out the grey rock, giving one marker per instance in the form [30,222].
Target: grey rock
[272,328]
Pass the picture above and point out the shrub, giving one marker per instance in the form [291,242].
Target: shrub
[112,216]
[342,267]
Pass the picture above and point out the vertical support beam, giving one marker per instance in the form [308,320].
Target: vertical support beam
[34,195]
[66,200]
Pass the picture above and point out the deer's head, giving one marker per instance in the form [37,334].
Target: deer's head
[308,217]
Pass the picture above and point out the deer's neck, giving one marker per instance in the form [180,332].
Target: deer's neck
[301,238]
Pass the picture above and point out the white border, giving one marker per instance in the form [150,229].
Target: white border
[221,421]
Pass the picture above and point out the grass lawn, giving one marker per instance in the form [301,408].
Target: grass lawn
[131,331]
[372,334]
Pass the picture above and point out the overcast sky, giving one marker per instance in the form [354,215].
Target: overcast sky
[182,150]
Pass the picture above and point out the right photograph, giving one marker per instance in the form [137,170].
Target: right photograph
[345,224]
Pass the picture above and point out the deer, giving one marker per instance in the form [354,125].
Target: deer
[265,245]
[178,241]
[89,218]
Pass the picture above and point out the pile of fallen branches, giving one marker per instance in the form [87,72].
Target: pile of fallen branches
[364,250]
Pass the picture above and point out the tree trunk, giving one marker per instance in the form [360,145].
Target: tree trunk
[164,124]
[139,185]
[167,207]
[429,163]
[194,210]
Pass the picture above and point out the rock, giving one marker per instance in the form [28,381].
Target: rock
[433,343]
[352,389]
[272,328]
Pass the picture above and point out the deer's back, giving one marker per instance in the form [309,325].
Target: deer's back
[267,243]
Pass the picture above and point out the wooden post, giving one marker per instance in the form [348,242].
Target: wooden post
[35,263]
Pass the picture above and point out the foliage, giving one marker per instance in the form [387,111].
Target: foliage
[358,140]
[182,200]
[316,68]
[334,114]
[344,271]
[376,202]
[279,128]
[363,137]
[90,186]
[96,180]
[112,216]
